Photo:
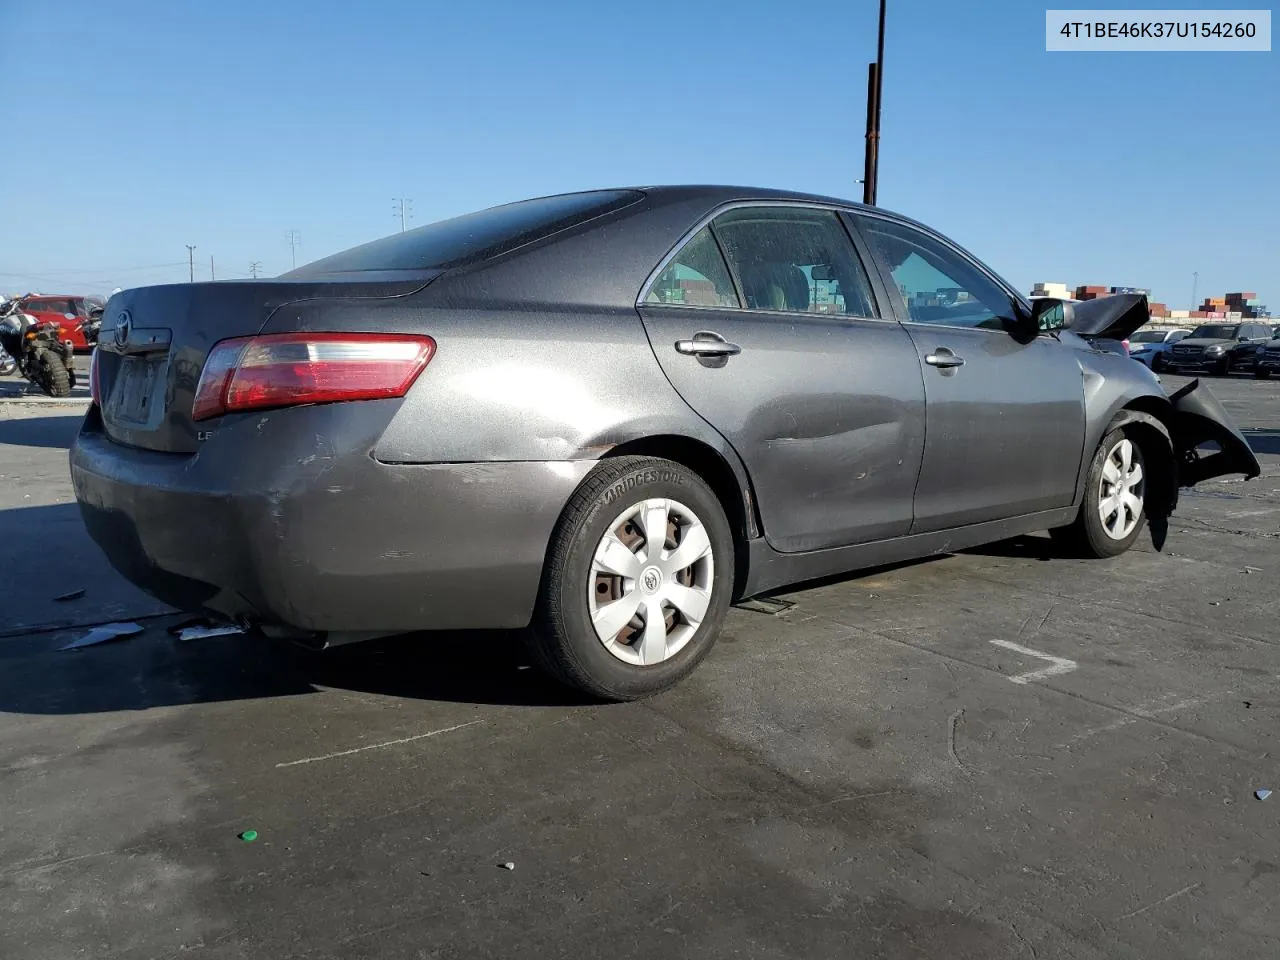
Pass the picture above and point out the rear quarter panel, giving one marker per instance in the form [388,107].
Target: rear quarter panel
[540,353]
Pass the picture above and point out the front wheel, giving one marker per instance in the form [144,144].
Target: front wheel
[1112,514]
[7,365]
[637,581]
[1261,374]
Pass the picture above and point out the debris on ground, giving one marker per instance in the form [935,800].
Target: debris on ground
[1262,794]
[507,866]
[248,836]
[769,605]
[73,595]
[103,634]
[206,630]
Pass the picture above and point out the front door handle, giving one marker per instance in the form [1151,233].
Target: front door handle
[944,358]
[707,344]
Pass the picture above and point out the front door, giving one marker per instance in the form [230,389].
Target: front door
[781,349]
[1005,418]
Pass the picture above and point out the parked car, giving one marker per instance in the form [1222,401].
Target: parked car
[606,416]
[69,312]
[1149,347]
[1267,357]
[1218,347]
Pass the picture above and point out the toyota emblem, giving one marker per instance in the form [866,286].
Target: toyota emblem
[124,322]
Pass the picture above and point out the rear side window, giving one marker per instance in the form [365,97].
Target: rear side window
[794,259]
[696,277]
[473,236]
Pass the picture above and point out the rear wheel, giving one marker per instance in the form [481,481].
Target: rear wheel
[55,378]
[637,581]
[1112,515]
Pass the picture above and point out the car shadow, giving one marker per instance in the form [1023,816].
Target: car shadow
[156,669]
[52,432]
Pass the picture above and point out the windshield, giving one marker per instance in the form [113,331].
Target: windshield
[1215,331]
[473,235]
[1148,336]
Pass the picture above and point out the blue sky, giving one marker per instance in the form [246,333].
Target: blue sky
[138,127]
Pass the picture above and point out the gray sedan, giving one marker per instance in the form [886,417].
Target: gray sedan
[605,417]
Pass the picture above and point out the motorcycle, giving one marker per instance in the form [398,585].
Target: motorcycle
[93,325]
[38,351]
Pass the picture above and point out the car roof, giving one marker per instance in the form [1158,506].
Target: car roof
[718,194]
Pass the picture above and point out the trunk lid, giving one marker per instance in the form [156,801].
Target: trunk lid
[154,342]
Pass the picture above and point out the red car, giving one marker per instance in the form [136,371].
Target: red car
[69,312]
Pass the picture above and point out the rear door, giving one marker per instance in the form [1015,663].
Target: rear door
[1005,417]
[765,322]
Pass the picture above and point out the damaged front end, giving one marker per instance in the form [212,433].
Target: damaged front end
[1198,421]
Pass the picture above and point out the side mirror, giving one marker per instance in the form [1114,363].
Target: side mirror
[822,271]
[1048,313]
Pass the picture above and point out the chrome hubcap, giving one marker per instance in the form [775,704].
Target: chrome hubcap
[1120,490]
[651,578]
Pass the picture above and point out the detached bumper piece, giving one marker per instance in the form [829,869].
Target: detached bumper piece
[1199,420]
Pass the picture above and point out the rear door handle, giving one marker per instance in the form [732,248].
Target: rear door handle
[942,357]
[705,343]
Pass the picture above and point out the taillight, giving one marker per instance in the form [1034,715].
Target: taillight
[289,369]
[95,379]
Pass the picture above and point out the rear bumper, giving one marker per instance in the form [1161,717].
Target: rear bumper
[286,519]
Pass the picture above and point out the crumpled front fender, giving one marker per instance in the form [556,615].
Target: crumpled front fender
[1199,419]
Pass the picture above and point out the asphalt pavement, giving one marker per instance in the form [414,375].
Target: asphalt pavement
[1000,753]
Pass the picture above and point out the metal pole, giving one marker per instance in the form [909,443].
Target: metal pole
[211,274]
[1195,282]
[191,263]
[871,158]
[875,79]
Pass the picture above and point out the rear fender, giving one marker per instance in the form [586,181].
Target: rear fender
[1199,419]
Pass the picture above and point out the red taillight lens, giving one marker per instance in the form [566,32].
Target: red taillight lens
[95,379]
[288,369]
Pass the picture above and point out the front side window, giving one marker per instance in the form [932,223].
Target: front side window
[938,285]
[794,259]
[696,276]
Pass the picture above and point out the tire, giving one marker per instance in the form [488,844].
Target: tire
[7,366]
[564,639]
[1088,535]
[1157,364]
[1262,374]
[55,378]
[1224,368]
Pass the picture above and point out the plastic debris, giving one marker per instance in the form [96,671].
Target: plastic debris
[248,836]
[507,866]
[1262,794]
[73,595]
[103,634]
[204,632]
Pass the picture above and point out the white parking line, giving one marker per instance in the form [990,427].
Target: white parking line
[376,746]
[1057,665]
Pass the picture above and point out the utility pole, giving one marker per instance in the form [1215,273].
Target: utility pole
[191,263]
[1195,283]
[875,79]
[403,209]
[211,276]
[295,241]
[254,267]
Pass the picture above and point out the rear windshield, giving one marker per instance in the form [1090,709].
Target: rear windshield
[473,235]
